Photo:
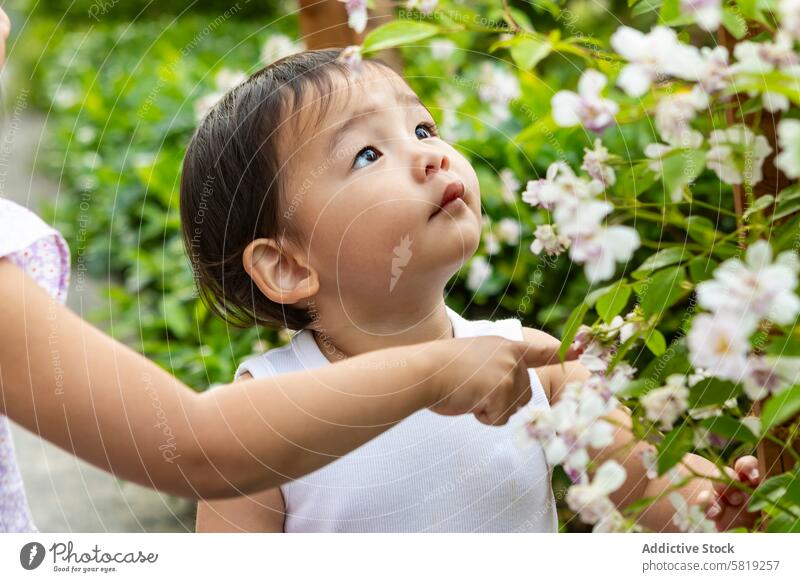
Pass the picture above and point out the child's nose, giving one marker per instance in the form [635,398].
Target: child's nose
[429,162]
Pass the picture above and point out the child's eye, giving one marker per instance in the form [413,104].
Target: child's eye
[427,128]
[369,153]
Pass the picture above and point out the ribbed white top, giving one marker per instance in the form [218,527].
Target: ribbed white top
[429,473]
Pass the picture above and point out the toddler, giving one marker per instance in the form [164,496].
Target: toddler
[324,201]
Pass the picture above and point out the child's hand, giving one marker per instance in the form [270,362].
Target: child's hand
[727,505]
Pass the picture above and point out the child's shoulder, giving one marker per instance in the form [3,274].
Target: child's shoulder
[273,361]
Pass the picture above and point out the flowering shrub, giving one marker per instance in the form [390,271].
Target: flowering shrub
[690,253]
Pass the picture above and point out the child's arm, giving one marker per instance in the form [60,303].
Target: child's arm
[261,512]
[628,452]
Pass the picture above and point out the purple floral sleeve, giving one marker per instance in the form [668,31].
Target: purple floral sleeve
[40,251]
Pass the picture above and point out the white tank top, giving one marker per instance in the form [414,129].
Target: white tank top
[428,473]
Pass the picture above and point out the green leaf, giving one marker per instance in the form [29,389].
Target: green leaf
[612,303]
[734,22]
[701,229]
[788,202]
[675,445]
[681,168]
[571,327]
[761,203]
[662,258]
[645,6]
[781,407]
[397,33]
[784,523]
[712,391]
[785,346]
[674,361]
[655,342]
[670,10]
[702,268]
[176,316]
[730,428]
[528,51]
[770,491]
[663,291]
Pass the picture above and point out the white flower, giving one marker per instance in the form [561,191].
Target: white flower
[424,6]
[600,252]
[227,79]
[707,13]
[498,87]
[651,56]
[442,49]
[737,154]
[491,244]
[788,160]
[763,378]
[356,14]
[755,59]
[674,114]
[612,522]
[650,463]
[595,164]
[720,345]
[790,17]
[509,183]
[576,217]
[690,518]
[586,107]
[591,501]
[509,230]
[714,73]
[666,404]
[546,239]
[277,47]
[203,105]
[756,289]
[479,272]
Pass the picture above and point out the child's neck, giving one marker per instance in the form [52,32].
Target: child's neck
[341,333]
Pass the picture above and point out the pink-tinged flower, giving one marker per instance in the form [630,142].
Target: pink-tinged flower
[595,163]
[737,154]
[356,14]
[720,345]
[653,56]
[600,252]
[788,160]
[548,240]
[756,59]
[690,518]
[666,404]
[714,71]
[351,56]
[706,13]
[590,501]
[560,186]
[674,114]
[756,289]
[586,107]
[763,378]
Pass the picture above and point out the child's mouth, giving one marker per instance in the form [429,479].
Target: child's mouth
[453,194]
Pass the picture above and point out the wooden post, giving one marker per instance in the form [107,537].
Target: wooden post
[323,24]
[772,459]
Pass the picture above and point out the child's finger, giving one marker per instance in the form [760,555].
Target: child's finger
[747,469]
[728,493]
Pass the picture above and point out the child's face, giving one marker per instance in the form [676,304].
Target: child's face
[366,191]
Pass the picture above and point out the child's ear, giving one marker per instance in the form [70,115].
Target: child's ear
[280,271]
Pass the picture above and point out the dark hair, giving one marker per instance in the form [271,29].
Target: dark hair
[233,182]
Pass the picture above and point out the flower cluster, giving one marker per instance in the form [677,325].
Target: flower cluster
[741,296]
[579,216]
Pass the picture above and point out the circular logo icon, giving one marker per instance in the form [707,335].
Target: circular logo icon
[31,555]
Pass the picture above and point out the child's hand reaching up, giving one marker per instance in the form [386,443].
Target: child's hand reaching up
[727,505]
